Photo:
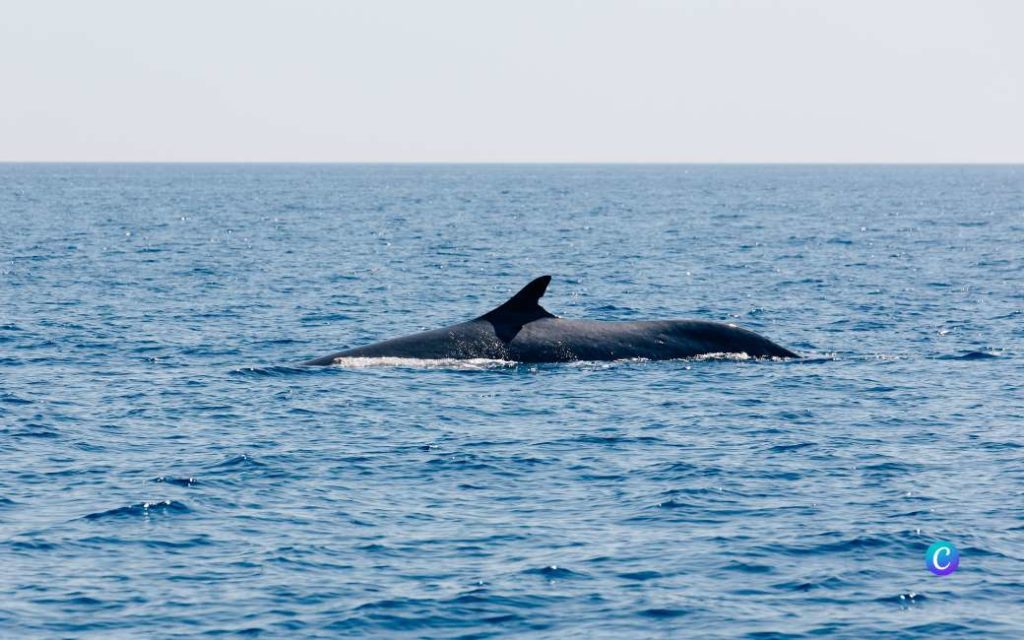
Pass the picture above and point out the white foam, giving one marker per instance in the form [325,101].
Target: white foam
[472,364]
[480,364]
[720,356]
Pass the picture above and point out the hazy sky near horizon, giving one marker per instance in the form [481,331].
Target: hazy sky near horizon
[516,81]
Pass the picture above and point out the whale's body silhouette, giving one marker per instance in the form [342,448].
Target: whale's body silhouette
[523,331]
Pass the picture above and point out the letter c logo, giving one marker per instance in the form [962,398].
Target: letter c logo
[942,558]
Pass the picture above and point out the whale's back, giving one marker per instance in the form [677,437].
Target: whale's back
[522,330]
[561,340]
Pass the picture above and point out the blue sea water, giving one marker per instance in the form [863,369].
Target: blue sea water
[169,471]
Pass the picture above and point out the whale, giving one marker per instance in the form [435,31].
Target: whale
[521,330]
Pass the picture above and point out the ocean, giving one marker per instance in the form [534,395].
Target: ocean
[169,470]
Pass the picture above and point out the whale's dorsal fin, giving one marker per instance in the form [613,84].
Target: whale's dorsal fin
[526,302]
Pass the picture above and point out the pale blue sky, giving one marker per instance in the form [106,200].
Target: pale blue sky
[544,81]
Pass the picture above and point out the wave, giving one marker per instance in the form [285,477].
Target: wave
[181,482]
[554,572]
[243,459]
[145,509]
[972,355]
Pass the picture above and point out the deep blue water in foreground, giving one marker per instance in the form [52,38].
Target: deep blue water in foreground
[169,471]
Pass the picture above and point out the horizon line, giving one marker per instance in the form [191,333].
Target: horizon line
[876,163]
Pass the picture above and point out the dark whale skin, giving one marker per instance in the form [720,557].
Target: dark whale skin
[521,330]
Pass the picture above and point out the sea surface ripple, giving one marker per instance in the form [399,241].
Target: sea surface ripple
[170,471]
